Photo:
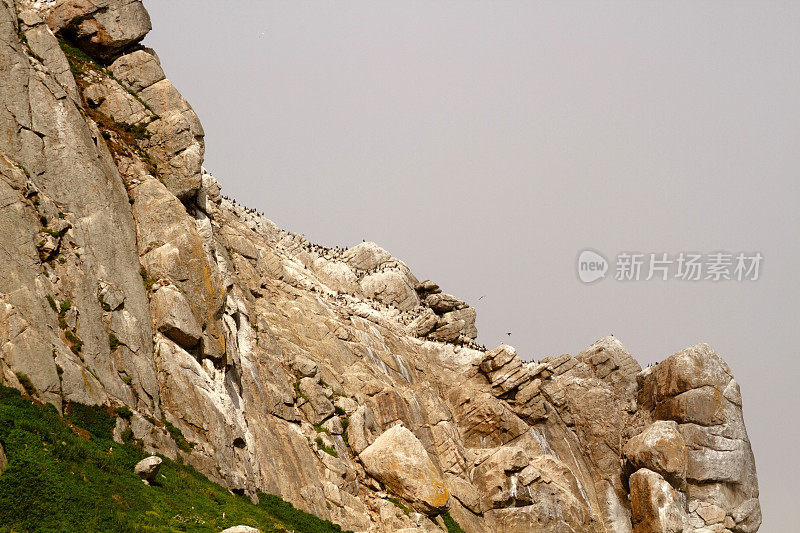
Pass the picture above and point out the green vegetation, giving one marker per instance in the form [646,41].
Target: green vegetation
[148,282]
[298,393]
[26,383]
[177,436]
[75,341]
[327,449]
[52,302]
[54,233]
[452,525]
[92,418]
[319,429]
[79,62]
[61,479]
[114,342]
[400,505]
[123,412]
[66,305]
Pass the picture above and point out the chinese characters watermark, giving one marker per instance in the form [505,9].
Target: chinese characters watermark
[682,266]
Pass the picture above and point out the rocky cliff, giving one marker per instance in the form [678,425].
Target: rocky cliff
[333,378]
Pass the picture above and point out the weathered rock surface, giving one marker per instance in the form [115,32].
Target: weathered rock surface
[332,378]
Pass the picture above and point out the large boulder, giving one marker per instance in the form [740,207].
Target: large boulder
[173,317]
[660,448]
[393,286]
[399,461]
[657,507]
[444,303]
[147,468]
[367,256]
[101,28]
[138,70]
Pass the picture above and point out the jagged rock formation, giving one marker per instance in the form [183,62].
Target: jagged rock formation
[273,364]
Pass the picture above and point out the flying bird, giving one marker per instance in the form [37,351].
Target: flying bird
[482,297]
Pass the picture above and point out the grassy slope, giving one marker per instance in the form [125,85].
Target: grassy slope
[57,480]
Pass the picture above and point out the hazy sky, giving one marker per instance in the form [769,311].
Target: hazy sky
[487,143]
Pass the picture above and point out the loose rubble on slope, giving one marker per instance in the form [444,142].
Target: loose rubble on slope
[333,378]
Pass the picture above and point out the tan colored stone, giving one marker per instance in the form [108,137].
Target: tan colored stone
[660,448]
[398,460]
[657,507]
[173,317]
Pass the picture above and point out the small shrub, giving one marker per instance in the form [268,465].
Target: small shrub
[52,302]
[298,393]
[148,282]
[54,233]
[43,220]
[127,379]
[26,383]
[327,449]
[124,412]
[93,418]
[75,341]
[66,305]
[177,436]
[400,505]
[319,429]
[114,342]
[451,525]
[127,435]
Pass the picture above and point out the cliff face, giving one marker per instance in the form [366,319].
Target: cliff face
[333,378]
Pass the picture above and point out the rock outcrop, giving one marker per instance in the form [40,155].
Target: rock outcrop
[333,378]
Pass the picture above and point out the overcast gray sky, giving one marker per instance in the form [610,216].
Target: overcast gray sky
[487,143]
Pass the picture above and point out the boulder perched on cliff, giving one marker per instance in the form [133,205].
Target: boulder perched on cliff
[660,448]
[399,460]
[101,28]
[173,317]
